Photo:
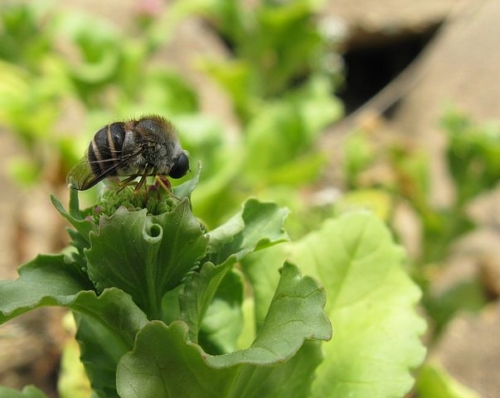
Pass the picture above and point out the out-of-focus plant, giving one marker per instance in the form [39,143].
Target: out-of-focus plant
[434,382]
[473,162]
[26,37]
[275,155]
[29,89]
[112,70]
[107,75]
[281,80]
[473,155]
[54,61]
[276,46]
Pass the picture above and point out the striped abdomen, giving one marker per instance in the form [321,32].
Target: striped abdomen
[106,148]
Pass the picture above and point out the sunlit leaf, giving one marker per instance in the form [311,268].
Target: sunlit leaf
[295,315]
[370,301]
[434,382]
[257,226]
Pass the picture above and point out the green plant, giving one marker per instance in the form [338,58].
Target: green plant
[280,78]
[161,309]
[434,382]
[99,70]
[107,74]
[472,159]
[281,84]
[277,46]
[473,155]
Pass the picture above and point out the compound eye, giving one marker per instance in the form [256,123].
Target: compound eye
[180,167]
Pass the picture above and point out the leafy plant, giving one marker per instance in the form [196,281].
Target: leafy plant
[369,301]
[127,262]
[93,71]
[472,158]
[160,305]
[108,81]
[179,308]
[276,45]
[434,382]
[473,155]
[24,38]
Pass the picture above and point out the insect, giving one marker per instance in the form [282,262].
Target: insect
[144,147]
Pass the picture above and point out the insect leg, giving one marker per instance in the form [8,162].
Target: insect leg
[163,182]
[128,180]
[148,170]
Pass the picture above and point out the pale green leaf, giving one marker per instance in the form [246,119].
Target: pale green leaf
[434,382]
[370,301]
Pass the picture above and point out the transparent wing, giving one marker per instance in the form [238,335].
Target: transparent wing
[82,177]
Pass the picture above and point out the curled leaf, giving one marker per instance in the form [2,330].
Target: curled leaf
[146,256]
[295,316]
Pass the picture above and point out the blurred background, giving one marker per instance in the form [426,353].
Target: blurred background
[321,106]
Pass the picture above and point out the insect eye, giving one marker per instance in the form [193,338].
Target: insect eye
[180,167]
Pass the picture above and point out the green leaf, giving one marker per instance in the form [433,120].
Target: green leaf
[434,382]
[169,91]
[97,48]
[235,77]
[74,215]
[370,301]
[278,136]
[257,226]
[295,314]
[359,153]
[262,269]
[108,323]
[371,304]
[157,254]
[43,282]
[172,366]
[100,353]
[283,133]
[199,290]
[223,320]
[28,392]
[106,330]
[471,143]
[113,309]
[305,168]
[47,280]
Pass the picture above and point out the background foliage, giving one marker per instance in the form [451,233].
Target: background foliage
[281,81]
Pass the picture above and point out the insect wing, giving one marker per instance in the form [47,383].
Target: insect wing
[81,176]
